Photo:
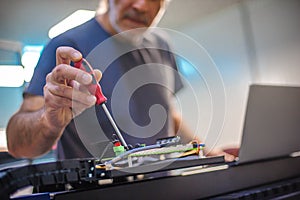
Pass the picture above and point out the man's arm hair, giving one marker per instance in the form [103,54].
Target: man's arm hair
[27,132]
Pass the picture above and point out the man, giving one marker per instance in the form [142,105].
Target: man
[57,94]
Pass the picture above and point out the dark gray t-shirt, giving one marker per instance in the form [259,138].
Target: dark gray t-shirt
[138,83]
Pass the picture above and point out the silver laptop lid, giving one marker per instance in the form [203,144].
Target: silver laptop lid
[272,123]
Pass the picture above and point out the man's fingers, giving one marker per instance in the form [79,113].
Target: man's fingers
[64,72]
[229,157]
[70,94]
[98,74]
[64,55]
[61,109]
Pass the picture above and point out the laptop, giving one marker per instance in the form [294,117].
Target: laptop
[271,124]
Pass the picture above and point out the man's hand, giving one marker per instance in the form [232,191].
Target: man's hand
[40,121]
[65,92]
[229,154]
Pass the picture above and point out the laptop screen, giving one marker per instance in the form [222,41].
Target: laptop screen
[272,123]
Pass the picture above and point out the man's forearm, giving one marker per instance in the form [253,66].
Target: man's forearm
[28,135]
[182,130]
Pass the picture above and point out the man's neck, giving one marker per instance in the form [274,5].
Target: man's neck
[103,20]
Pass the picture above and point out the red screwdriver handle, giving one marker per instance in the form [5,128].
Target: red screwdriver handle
[94,88]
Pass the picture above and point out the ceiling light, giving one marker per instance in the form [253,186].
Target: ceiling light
[3,144]
[11,76]
[30,58]
[75,19]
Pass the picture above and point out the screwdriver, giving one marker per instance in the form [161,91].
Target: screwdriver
[95,89]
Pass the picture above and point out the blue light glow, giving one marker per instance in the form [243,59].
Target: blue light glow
[185,67]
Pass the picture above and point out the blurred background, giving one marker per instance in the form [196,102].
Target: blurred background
[250,41]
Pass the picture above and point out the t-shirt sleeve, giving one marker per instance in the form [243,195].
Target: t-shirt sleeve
[163,42]
[178,81]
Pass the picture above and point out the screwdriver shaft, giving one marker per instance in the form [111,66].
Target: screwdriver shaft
[114,125]
[95,89]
